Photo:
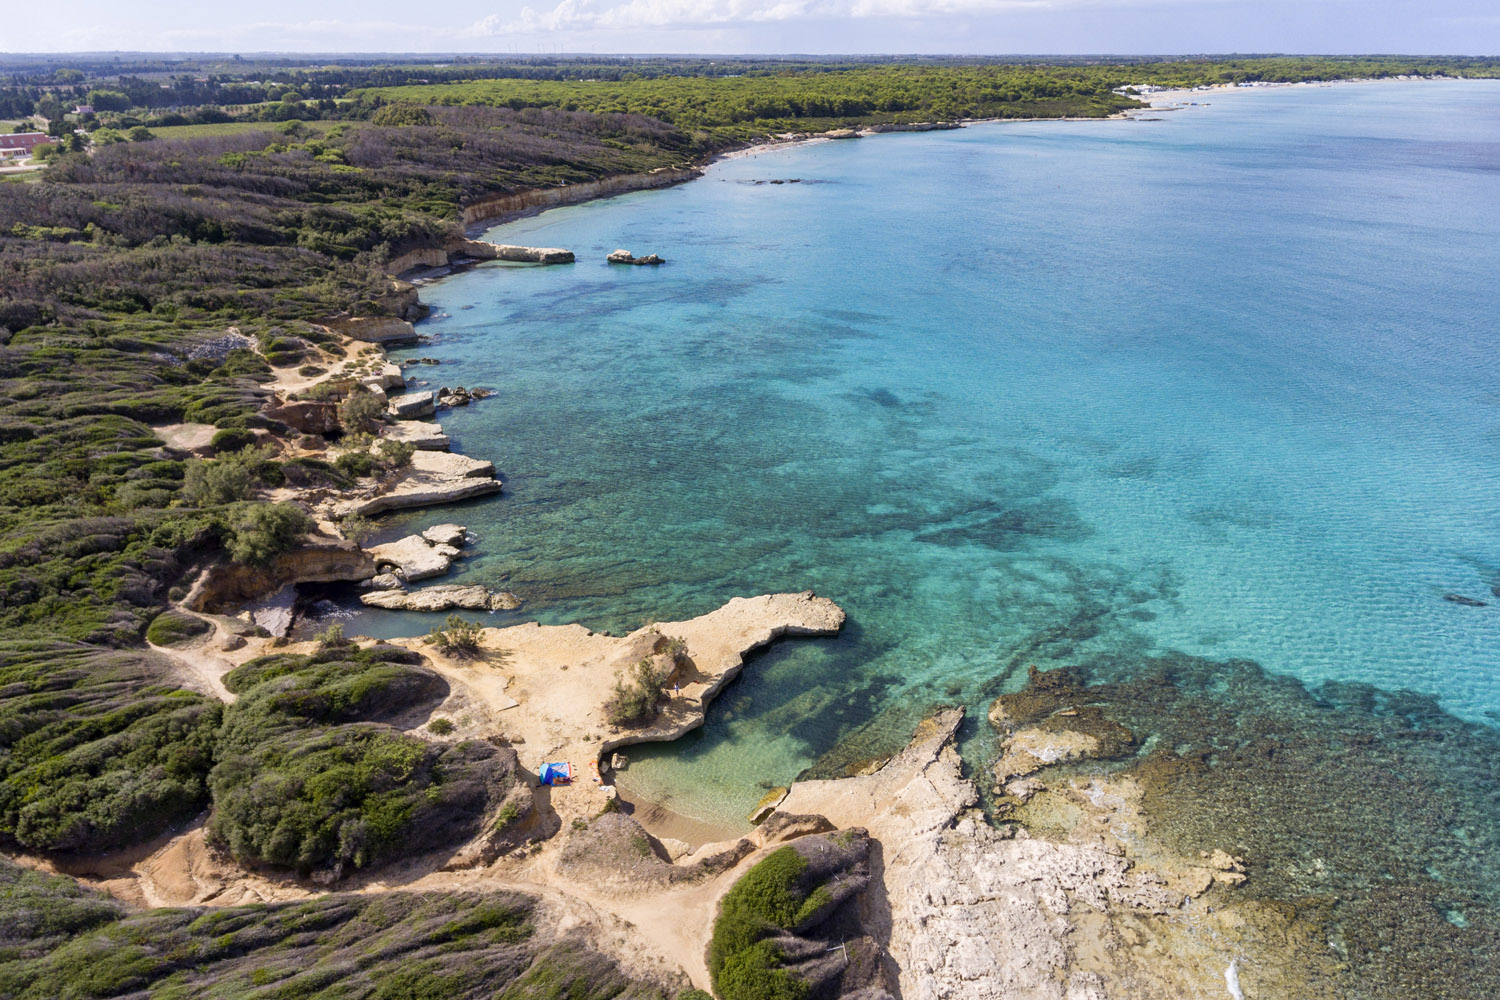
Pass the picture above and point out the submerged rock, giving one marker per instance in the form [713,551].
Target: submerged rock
[1468,602]
[767,804]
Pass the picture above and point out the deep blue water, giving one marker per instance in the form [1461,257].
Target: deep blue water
[1222,383]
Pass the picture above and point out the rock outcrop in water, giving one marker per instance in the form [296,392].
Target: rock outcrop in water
[447,597]
[412,406]
[911,127]
[415,557]
[421,434]
[626,257]
[480,250]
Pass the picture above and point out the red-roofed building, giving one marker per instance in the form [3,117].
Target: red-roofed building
[20,145]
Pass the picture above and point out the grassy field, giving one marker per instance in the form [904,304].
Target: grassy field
[228,128]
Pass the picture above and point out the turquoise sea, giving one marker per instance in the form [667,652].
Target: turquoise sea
[1221,384]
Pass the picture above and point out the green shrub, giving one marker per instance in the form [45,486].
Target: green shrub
[231,439]
[262,531]
[402,114]
[395,454]
[303,781]
[361,410]
[172,627]
[456,637]
[440,727]
[636,695]
[98,749]
[767,899]
[754,974]
[62,941]
[332,637]
[356,527]
[220,481]
[355,464]
[310,472]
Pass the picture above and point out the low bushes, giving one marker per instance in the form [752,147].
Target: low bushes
[304,781]
[636,693]
[172,627]
[259,532]
[98,749]
[768,899]
[456,637]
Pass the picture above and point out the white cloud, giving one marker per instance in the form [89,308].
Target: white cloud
[584,15]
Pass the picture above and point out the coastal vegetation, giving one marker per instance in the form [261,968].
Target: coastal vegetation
[60,940]
[98,748]
[767,899]
[150,284]
[173,627]
[636,693]
[719,108]
[307,778]
[457,636]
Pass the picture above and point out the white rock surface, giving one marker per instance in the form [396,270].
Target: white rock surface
[424,435]
[509,251]
[445,597]
[973,915]
[414,557]
[434,477]
[412,406]
[447,534]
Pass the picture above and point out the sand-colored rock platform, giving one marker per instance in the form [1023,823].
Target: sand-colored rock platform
[434,477]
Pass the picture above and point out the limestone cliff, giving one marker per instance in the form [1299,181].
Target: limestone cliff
[319,559]
[501,206]
[374,329]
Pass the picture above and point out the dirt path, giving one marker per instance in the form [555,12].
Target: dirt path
[200,664]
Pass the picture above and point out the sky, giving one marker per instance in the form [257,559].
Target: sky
[980,27]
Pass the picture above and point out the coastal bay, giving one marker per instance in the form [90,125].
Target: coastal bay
[1141,507]
[1163,422]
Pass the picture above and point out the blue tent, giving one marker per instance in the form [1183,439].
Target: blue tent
[557,774]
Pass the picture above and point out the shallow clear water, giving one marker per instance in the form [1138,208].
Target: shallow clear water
[1222,383]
